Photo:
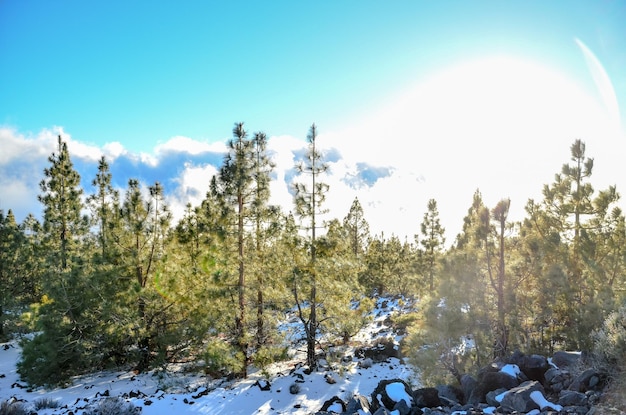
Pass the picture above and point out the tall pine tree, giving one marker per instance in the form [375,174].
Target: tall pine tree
[308,200]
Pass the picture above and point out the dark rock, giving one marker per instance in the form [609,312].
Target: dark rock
[426,398]
[490,398]
[450,394]
[357,403]
[589,380]
[334,401]
[491,381]
[468,384]
[572,398]
[330,379]
[518,399]
[380,397]
[401,408]
[558,379]
[533,366]
[579,410]
[563,359]
[263,384]
[380,352]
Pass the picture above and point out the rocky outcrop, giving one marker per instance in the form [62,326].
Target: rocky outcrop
[516,385]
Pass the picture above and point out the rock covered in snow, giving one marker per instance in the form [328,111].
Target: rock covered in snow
[389,392]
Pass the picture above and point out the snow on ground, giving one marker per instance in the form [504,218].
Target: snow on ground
[166,393]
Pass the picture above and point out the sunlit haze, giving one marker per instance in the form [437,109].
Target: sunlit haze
[413,100]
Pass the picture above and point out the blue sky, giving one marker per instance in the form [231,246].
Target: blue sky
[416,98]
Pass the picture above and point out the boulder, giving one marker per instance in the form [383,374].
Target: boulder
[572,398]
[358,403]
[557,379]
[492,397]
[426,398]
[518,399]
[450,395]
[401,408]
[388,392]
[468,384]
[490,381]
[562,359]
[532,366]
[589,380]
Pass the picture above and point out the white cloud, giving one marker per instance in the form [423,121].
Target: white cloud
[502,125]
[188,145]
[114,150]
[16,146]
[192,186]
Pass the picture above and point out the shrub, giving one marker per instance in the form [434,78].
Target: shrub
[267,355]
[11,407]
[220,357]
[112,406]
[609,342]
[44,403]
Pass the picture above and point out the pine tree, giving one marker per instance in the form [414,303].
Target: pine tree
[433,240]
[500,214]
[11,264]
[103,204]
[264,218]
[64,345]
[343,311]
[308,200]
[357,228]
[236,179]
[64,226]
[142,237]
[567,219]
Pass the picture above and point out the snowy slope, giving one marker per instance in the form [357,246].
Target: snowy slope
[176,392]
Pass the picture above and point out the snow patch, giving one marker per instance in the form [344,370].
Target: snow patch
[540,400]
[511,370]
[396,393]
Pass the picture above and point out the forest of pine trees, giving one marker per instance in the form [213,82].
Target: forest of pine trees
[106,279]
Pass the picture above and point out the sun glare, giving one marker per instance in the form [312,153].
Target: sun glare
[503,115]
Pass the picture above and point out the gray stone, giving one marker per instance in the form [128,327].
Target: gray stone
[402,408]
[356,403]
[450,394]
[468,384]
[572,398]
[426,398]
[566,359]
[380,397]
[518,399]
[381,411]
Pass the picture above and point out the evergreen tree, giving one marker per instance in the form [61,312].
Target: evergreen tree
[236,179]
[390,266]
[433,241]
[142,238]
[64,346]
[64,226]
[568,219]
[103,204]
[460,309]
[12,242]
[264,218]
[357,228]
[343,311]
[308,200]
[500,214]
